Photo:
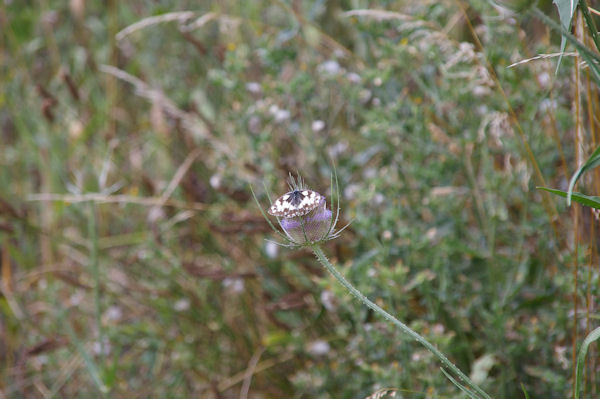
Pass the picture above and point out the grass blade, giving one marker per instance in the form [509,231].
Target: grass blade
[524,391]
[589,21]
[459,385]
[593,336]
[592,162]
[265,215]
[586,200]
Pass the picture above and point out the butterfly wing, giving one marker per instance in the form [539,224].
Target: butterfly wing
[296,203]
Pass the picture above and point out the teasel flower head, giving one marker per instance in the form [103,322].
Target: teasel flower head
[303,216]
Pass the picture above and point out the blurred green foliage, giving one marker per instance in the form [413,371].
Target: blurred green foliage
[448,232]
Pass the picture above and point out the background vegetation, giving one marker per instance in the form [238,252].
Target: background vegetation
[134,262]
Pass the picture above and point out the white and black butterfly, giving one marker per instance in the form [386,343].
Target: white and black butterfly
[295,203]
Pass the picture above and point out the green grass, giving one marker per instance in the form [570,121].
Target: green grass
[134,259]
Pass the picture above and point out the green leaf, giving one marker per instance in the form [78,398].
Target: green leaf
[524,391]
[591,163]
[566,9]
[589,21]
[593,336]
[586,200]
[92,367]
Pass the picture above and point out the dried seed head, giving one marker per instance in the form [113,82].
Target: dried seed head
[313,226]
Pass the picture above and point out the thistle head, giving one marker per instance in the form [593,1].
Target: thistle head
[303,216]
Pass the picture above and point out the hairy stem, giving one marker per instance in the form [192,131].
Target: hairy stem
[407,330]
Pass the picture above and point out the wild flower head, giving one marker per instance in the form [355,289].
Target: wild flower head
[303,216]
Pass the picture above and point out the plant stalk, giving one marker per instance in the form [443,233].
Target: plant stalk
[407,330]
[95,270]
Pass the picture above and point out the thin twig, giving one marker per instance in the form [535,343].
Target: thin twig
[118,199]
[262,366]
[180,16]
[541,57]
[181,171]
[383,15]
[198,126]
[379,15]
[146,91]
[250,372]
[199,22]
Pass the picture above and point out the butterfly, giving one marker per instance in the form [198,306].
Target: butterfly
[295,203]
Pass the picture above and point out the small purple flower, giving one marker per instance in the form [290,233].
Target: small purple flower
[312,227]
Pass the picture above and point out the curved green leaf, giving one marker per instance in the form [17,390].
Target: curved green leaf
[593,336]
[583,199]
[591,163]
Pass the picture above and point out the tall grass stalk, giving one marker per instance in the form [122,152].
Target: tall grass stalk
[95,271]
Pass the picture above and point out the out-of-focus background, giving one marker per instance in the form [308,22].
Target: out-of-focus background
[133,259]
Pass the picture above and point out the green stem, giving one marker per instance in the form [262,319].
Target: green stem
[95,270]
[407,330]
